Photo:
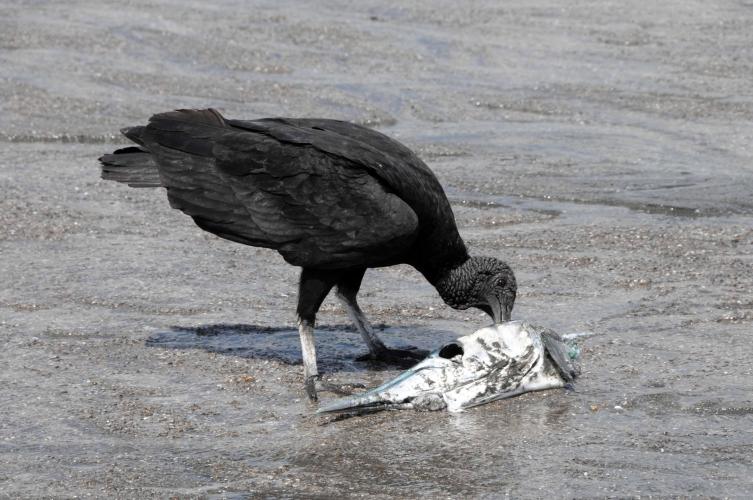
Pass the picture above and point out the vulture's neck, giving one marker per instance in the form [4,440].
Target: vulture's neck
[455,284]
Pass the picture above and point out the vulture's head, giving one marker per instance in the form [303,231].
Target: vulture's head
[485,283]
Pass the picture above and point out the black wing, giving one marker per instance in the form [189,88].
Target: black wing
[387,159]
[319,209]
[438,243]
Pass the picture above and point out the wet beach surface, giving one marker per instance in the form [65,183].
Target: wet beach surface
[604,149]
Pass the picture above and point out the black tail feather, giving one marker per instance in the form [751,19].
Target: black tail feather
[184,130]
[132,166]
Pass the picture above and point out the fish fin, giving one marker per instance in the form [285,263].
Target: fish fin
[557,351]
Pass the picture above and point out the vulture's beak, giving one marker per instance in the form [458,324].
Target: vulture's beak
[498,311]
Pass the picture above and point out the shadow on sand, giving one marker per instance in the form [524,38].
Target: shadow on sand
[337,346]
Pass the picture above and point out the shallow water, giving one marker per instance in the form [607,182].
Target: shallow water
[604,149]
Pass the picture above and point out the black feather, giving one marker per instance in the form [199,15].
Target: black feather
[132,166]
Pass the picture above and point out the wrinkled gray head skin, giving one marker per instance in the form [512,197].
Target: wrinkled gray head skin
[496,362]
[485,283]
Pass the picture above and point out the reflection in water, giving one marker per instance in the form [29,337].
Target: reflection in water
[530,414]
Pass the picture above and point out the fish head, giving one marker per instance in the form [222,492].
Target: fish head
[494,362]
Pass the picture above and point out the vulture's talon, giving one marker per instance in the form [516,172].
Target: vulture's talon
[316,384]
[345,389]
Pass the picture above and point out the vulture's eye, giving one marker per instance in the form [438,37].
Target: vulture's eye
[450,351]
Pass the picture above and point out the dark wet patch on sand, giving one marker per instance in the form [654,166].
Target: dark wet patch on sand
[338,346]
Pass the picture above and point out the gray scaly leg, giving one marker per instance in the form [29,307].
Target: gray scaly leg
[347,289]
[363,326]
[308,351]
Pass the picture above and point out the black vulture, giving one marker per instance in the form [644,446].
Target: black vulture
[332,197]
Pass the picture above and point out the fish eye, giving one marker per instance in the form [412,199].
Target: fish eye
[450,351]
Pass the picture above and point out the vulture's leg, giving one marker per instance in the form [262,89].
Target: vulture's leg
[313,288]
[347,289]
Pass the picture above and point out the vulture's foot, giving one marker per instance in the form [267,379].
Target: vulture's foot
[315,384]
[401,357]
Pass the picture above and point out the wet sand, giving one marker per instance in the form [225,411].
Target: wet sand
[604,149]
